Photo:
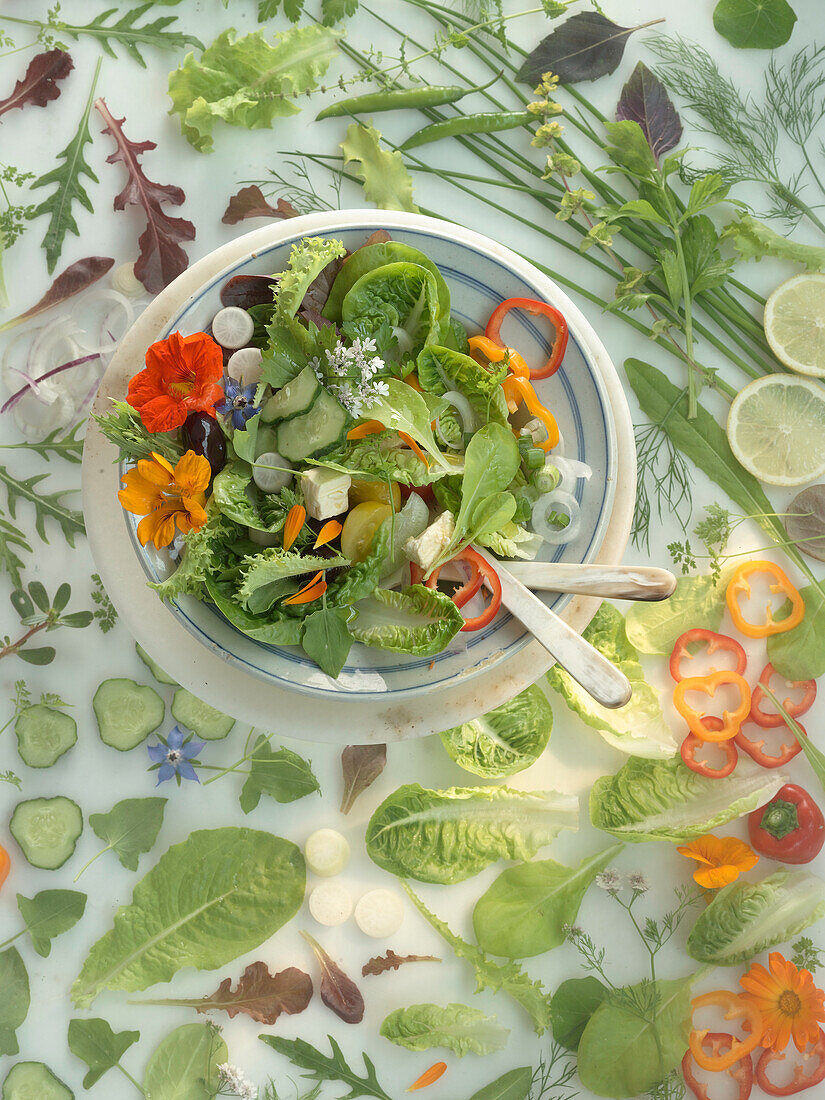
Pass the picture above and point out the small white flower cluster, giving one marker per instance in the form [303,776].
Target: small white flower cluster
[358,387]
[612,881]
[237,1082]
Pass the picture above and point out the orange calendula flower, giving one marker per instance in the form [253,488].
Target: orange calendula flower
[723,859]
[790,1003]
[166,496]
[181,376]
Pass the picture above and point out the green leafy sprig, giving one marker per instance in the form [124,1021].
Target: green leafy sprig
[105,613]
[323,1067]
[38,612]
[60,444]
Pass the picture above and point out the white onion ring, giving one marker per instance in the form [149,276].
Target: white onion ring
[571,469]
[122,303]
[556,536]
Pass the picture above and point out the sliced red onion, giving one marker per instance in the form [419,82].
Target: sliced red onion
[35,386]
[558,500]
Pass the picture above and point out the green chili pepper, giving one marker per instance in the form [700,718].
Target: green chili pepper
[400,100]
[489,122]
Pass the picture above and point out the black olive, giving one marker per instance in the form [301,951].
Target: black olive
[202,434]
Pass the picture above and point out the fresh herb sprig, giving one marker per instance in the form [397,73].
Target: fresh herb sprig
[40,612]
[806,956]
[105,613]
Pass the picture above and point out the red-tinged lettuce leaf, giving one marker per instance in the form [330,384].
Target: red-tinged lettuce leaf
[338,991]
[39,86]
[260,995]
[247,291]
[161,257]
[77,276]
[380,964]
[361,765]
[250,202]
[585,47]
[644,99]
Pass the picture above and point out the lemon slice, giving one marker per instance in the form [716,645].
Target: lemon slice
[795,323]
[776,429]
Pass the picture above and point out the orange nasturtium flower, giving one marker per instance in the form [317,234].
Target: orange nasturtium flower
[181,376]
[166,495]
[790,1003]
[723,859]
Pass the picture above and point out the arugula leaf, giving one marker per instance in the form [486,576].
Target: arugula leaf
[46,505]
[14,1004]
[49,914]
[185,1064]
[12,539]
[70,189]
[283,775]
[386,180]
[130,828]
[753,239]
[754,24]
[248,82]
[326,639]
[323,1067]
[94,1042]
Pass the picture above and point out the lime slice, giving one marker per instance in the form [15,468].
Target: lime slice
[795,323]
[776,429]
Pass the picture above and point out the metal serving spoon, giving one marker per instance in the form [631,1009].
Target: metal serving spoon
[586,665]
[617,582]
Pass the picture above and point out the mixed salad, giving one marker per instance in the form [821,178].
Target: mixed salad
[321,462]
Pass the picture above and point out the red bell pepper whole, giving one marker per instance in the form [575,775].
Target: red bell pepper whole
[800,1080]
[789,828]
[741,1071]
[693,744]
[714,642]
[755,750]
[539,309]
[769,719]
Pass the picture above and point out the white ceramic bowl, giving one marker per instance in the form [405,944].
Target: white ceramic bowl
[379,695]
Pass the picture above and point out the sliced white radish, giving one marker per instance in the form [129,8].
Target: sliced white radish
[232,327]
[330,903]
[379,913]
[326,852]
[271,472]
[245,366]
[125,280]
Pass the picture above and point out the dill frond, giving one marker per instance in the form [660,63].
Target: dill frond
[664,483]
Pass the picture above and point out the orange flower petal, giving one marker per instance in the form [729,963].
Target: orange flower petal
[158,527]
[294,522]
[312,590]
[331,530]
[725,858]
[192,473]
[714,878]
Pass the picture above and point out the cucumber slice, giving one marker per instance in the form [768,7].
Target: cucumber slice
[295,397]
[158,673]
[47,830]
[126,712]
[323,427]
[43,735]
[203,720]
[34,1081]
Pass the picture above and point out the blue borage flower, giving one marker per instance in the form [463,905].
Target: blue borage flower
[173,756]
[239,403]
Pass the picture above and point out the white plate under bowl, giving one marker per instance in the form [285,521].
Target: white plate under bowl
[378,695]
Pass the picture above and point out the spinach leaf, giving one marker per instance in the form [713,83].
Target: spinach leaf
[185,1064]
[799,654]
[283,775]
[94,1042]
[14,1004]
[696,601]
[574,1002]
[644,99]
[215,896]
[754,24]
[456,1027]
[130,828]
[635,1038]
[326,639]
[527,909]
[49,914]
[513,1085]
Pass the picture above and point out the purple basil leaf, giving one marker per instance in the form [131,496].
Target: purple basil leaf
[585,47]
[644,99]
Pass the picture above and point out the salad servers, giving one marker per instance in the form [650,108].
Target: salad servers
[586,665]
[617,582]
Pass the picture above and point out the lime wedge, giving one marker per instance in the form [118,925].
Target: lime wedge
[776,429]
[795,323]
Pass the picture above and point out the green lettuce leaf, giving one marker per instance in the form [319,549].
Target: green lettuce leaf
[386,180]
[361,578]
[442,369]
[638,728]
[416,620]
[753,239]
[248,82]
[665,800]
[696,601]
[746,918]
[512,541]
[381,457]
[267,575]
[217,895]
[404,410]
[456,1027]
[403,296]
[370,256]
[271,628]
[505,740]
[448,836]
[198,559]
[307,259]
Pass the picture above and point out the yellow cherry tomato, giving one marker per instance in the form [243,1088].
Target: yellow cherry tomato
[375,490]
[360,527]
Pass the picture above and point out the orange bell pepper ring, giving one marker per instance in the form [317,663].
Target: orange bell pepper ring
[731,720]
[739,583]
[495,353]
[5,865]
[516,389]
[736,1007]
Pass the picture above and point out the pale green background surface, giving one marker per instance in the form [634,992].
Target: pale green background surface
[97,776]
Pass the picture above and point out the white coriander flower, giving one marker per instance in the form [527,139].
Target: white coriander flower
[609,880]
[236,1080]
[638,882]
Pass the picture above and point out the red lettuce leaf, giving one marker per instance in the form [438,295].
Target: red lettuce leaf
[77,276]
[161,258]
[338,991]
[39,86]
[380,964]
[260,995]
[250,202]
[644,99]
[361,765]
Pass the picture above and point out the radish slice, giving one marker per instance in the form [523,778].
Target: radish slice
[330,903]
[326,852]
[232,327]
[379,913]
[245,366]
[557,500]
[267,477]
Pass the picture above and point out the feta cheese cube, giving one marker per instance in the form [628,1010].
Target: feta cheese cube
[326,492]
[426,548]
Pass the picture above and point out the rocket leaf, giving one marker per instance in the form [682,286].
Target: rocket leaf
[644,99]
[381,964]
[161,258]
[39,86]
[94,1042]
[361,765]
[323,1067]
[585,47]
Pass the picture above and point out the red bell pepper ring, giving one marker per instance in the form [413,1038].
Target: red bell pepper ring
[714,642]
[769,719]
[790,828]
[693,744]
[800,1080]
[481,573]
[731,719]
[742,1071]
[538,309]
[756,750]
